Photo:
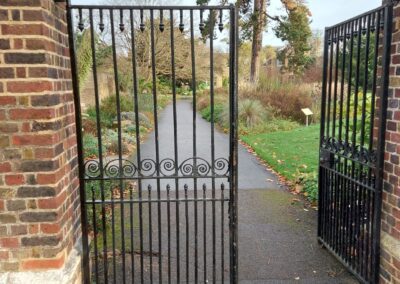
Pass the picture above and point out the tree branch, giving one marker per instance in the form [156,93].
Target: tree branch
[274,18]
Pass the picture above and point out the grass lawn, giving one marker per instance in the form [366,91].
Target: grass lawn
[288,152]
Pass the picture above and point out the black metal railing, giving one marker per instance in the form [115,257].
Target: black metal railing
[155,216]
[353,120]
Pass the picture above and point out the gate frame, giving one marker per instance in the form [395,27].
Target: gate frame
[233,135]
[381,139]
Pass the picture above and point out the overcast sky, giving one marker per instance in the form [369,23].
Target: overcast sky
[324,12]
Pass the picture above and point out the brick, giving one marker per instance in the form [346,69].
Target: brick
[6,192]
[43,72]
[39,140]
[52,203]
[16,15]
[31,113]
[18,43]
[9,242]
[33,15]
[6,218]
[36,191]
[15,179]
[45,100]
[50,228]
[8,266]
[34,264]
[40,241]
[38,217]
[3,231]
[4,141]
[6,73]
[4,255]
[25,58]
[16,205]
[5,167]
[43,126]
[3,15]
[38,166]
[19,3]
[4,44]
[8,127]
[29,87]
[22,29]
[19,230]
[21,72]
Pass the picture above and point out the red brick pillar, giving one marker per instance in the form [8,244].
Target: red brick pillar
[390,236]
[39,189]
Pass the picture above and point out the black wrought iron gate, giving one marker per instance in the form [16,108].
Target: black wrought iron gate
[353,123]
[168,212]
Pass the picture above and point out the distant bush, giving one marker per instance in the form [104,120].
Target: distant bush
[286,96]
[219,110]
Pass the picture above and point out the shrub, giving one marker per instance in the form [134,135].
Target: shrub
[113,147]
[219,110]
[90,145]
[286,96]
[251,113]
[309,181]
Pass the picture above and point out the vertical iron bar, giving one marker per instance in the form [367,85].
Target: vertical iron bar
[149,198]
[137,134]
[341,162]
[78,123]
[349,87]
[113,235]
[171,20]
[328,121]
[194,87]
[321,179]
[205,280]
[187,232]
[99,142]
[222,234]
[387,41]
[116,81]
[343,75]
[96,263]
[233,153]
[156,137]
[131,216]
[354,166]
[169,232]
[211,23]
[335,95]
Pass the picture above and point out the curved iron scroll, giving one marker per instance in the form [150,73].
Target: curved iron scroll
[348,150]
[191,167]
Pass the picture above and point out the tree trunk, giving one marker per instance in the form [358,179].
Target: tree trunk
[258,28]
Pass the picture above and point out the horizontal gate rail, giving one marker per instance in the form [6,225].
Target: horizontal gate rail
[159,215]
[353,123]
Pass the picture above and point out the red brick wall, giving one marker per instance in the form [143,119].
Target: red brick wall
[390,245]
[39,196]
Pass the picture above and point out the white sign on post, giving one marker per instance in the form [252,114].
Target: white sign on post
[307,113]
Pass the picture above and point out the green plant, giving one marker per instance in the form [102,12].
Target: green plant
[309,182]
[251,112]
[90,145]
[218,112]
[113,147]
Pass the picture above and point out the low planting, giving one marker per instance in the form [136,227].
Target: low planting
[293,154]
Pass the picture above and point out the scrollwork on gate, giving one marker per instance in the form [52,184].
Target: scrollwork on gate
[350,151]
[191,167]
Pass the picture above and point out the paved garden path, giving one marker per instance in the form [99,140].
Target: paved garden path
[277,234]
